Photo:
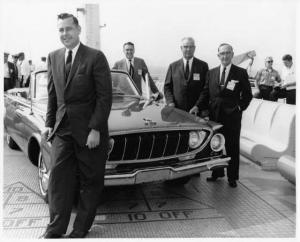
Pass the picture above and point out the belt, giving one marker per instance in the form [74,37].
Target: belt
[265,86]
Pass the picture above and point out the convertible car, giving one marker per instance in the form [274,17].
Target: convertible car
[148,141]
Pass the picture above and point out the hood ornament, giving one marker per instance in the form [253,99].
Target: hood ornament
[149,122]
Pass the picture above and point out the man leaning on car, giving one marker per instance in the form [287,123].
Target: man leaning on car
[185,79]
[79,104]
[137,69]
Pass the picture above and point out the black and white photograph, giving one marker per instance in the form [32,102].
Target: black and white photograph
[139,119]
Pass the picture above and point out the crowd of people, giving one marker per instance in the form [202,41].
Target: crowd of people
[18,71]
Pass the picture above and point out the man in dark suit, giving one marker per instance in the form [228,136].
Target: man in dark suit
[185,79]
[15,63]
[9,73]
[80,98]
[137,69]
[227,92]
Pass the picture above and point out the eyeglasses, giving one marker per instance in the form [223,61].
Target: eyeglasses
[269,61]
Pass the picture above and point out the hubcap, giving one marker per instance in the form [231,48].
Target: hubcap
[43,176]
[7,138]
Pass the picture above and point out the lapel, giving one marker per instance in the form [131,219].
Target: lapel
[217,79]
[136,76]
[192,69]
[75,64]
[181,68]
[61,64]
[124,65]
[229,77]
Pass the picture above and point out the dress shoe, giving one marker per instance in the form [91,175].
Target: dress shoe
[77,234]
[232,184]
[48,235]
[213,178]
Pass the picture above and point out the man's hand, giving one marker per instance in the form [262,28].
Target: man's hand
[194,110]
[93,139]
[47,133]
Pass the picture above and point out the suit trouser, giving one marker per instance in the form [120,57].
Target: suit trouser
[73,164]
[291,96]
[231,130]
[264,92]
[7,84]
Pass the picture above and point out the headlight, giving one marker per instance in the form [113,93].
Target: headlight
[196,138]
[217,142]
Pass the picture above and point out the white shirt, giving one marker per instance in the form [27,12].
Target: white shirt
[288,75]
[128,63]
[190,63]
[24,69]
[74,51]
[6,71]
[226,72]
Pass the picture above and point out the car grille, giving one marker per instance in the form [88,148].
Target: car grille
[151,146]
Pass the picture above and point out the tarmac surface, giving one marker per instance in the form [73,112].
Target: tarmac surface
[263,205]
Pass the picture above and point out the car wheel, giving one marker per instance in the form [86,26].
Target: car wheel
[179,181]
[43,178]
[11,143]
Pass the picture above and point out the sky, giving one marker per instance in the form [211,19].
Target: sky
[157,27]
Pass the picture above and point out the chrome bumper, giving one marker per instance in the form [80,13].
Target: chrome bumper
[163,173]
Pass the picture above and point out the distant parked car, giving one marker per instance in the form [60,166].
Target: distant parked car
[148,141]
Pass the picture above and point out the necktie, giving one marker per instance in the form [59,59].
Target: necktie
[68,64]
[187,70]
[131,70]
[222,82]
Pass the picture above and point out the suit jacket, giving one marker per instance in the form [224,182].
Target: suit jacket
[184,93]
[11,83]
[86,96]
[140,69]
[229,101]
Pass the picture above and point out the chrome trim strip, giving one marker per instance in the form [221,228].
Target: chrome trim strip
[177,143]
[153,140]
[138,151]
[124,149]
[166,142]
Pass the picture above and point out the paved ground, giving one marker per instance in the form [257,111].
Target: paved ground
[263,205]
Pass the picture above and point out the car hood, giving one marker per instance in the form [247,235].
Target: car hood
[137,116]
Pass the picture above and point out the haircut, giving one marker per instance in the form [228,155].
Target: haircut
[128,43]
[68,15]
[188,38]
[223,44]
[287,58]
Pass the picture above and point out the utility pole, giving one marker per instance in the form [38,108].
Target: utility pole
[89,19]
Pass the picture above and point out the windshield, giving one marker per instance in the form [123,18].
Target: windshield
[39,87]
[124,91]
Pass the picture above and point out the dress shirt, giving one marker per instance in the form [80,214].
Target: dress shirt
[190,64]
[289,76]
[24,68]
[267,77]
[128,63]
[74,51]
[6,71]
[226,72]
